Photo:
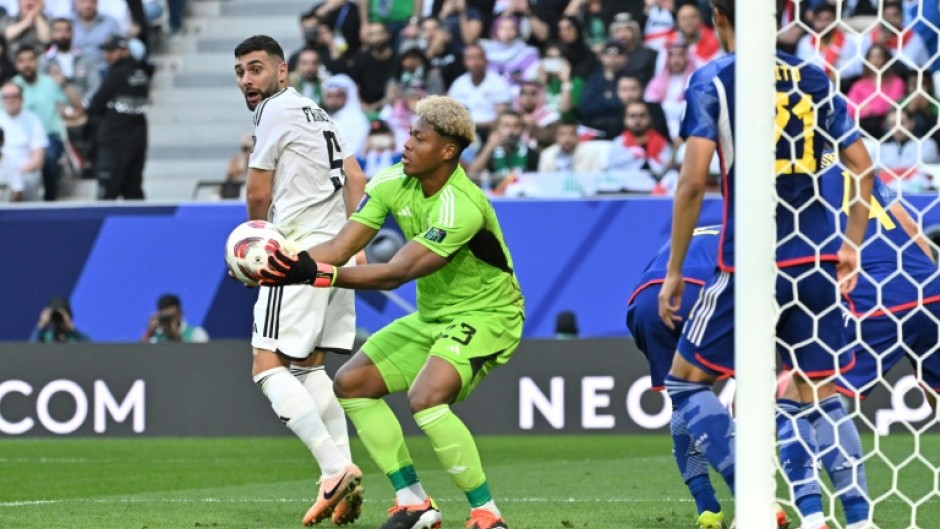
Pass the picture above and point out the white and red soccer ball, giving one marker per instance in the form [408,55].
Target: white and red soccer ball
[249,246]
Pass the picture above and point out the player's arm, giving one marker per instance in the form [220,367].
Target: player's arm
[412,261]
[687,205]
[355,184]
[856,159]
[258,193]
[911,228]
[351,239]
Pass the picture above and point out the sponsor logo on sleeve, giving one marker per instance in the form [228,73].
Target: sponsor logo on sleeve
[435,235]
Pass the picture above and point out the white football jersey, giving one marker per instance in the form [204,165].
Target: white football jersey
[296,139]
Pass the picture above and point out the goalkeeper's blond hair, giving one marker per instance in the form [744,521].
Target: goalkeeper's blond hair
[449,118]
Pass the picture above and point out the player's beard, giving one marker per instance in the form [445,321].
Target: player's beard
[263,94]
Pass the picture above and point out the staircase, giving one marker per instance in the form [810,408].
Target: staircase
[198,115]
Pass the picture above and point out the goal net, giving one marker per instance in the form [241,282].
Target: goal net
[881,58]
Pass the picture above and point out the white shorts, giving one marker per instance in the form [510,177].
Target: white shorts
[295,320]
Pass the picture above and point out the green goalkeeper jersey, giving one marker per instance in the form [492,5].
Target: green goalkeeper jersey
[457,223]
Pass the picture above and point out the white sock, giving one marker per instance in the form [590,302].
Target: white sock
[858,525]
[411,495]
[490,506]
[814,521]
[297,409]
[320,386]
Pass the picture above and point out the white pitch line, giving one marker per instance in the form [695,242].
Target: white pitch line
[27,503]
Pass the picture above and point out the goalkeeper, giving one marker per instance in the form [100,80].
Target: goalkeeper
[469,319]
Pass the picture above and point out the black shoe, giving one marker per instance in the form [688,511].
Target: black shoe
[421,516]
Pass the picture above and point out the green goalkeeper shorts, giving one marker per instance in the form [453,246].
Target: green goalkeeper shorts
[474,343]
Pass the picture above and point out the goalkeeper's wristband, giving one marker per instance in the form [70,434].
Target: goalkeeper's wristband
[326,275]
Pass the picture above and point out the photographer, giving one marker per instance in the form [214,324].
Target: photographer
[168,325]
[56,325]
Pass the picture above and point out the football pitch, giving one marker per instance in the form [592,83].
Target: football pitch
[540,482]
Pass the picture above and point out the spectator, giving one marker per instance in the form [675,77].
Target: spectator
[642,157]
[310,25]
[629,90]
[400,113]
[791,25]
[380,151]
[10,177]
[121,13]
[391,14]
[118,116]
[538,119]
[660,23]
[902,155]
[56,324]
[464,22]
[920,104]
[903,43]
[29,27]
[860,8]
[7,69]
[306,77]
[668,88]
[505,154]
[438,46]
[872,96]
[703,45]
[176,9]
[829,46]
[44,97]
[341,102]
[535,19]
[413,69]
[924,17]
[568,154]
[25,143]
[485,93]
[507,54]
[341,19]
[92,29]
[237,172]
[582,59]
[566,325]
[168,324]
[373,67]
[600,108]
[562,91]
[641,61]
[65,63]
[595,17]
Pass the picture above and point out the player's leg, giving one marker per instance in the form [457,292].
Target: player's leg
[388,363]
[658,344]
[468,347]
[281,334]
[706,349]
[813,341]
[921,335]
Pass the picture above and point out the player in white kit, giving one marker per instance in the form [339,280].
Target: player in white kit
[303,178]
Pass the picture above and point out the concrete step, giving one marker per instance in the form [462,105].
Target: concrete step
[215,151]
[289,39]
[189,170]
[195,134]
[292,8]
[240,27]
[222,114]
[198,96]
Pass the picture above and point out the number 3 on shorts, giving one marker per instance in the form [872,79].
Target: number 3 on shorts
[462,334]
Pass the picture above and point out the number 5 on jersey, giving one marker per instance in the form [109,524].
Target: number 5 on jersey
[336,165]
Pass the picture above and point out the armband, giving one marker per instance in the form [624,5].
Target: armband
[326,275]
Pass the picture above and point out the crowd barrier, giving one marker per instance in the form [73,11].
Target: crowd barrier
[549,386]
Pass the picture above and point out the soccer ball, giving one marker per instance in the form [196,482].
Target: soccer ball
[248,247]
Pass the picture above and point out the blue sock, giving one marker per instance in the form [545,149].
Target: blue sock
[708,423]
[841,452]
[693,467]
[797,450]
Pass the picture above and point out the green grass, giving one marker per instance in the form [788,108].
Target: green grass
[540,482]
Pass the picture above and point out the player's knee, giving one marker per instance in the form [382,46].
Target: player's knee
[422,398]
[344,385]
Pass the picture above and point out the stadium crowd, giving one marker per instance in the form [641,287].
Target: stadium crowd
[569,96]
